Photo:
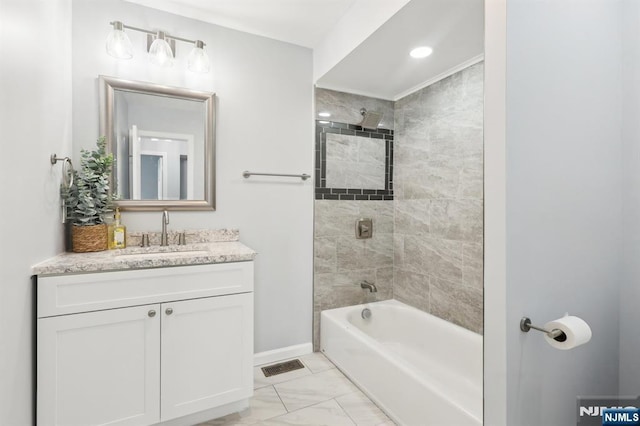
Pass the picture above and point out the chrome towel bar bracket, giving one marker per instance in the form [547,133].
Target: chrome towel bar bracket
[246,174]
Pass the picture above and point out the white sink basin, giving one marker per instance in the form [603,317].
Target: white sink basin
[156,255]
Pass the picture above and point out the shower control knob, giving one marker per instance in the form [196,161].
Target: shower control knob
[169,311]
[152,313]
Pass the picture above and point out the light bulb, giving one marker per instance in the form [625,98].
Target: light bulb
[118,43]
[160,52]
[421,52]
[198,60]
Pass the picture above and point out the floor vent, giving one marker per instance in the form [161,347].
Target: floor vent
[282,367]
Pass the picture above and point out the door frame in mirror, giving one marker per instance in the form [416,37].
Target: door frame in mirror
[108,85]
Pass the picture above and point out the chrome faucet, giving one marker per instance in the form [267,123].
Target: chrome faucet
[371,286]
[164,239]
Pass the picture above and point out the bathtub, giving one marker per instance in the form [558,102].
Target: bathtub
[419,369]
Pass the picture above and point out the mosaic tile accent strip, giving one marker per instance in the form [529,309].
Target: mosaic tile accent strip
[327,193]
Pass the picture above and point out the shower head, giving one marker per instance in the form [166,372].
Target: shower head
[370,119]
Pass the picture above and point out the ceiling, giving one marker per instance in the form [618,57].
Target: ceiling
[301,22]
[380,66]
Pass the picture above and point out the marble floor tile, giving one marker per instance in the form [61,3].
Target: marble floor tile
[317,395]
[310,390]
[327,413]
[264,404]
[259,380]
[361,410]
[316,362]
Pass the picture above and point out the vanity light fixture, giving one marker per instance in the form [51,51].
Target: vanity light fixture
[118,43]
[160,45]
[198,60]
[421,52]
[160,52]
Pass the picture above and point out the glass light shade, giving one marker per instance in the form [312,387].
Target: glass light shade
[160,52]
[198,60]
[119,45]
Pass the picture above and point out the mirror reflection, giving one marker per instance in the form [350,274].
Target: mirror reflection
[162,141]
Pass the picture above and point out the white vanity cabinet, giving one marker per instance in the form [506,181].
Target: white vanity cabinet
[168,345]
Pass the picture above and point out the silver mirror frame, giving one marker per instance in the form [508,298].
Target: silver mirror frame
[107,87]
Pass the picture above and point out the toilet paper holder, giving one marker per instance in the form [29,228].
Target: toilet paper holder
[556,334]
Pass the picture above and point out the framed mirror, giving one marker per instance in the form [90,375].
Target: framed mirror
[163,142]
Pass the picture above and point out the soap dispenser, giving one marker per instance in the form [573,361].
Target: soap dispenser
[119,233]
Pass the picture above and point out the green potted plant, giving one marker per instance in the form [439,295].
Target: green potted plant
[88,200]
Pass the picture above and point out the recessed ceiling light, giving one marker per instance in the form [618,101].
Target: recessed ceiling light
[324,114]
[323,122]
[421,52]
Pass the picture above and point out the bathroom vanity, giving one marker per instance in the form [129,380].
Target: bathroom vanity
[145,336]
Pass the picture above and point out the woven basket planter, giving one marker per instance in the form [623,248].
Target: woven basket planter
[89,238]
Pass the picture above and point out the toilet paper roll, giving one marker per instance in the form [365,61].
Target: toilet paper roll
[576,329]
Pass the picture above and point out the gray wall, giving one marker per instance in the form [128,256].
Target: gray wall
[258,82]
[438,198]
[35,118]
[564,201]
[630,287]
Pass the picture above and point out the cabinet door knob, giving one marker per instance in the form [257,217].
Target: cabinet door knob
[169,311]
[152,313]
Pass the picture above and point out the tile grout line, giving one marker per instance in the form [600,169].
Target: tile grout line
[345,411]
[313,405]
[280,398]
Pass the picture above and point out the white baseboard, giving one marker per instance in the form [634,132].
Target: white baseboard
[282,353]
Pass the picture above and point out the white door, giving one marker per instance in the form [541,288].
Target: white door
[134,170]
[99,368]
[207,353]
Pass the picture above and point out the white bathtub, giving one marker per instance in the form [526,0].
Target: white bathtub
[420,369]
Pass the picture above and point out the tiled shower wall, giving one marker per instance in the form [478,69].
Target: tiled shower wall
[345,107]
[438,214]
[341,261]
[426,248]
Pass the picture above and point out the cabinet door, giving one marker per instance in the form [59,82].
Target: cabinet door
[207,353]
[99,368]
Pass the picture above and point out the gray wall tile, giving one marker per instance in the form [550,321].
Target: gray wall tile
[355,162]
[412,217]
[411,288]
[438,183]
[343,262]
[457,219]
[345,107]
[459,304]
[324,255]
[427,245]
[433,256]
[472,265]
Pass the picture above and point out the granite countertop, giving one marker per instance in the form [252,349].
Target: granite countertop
[203,247]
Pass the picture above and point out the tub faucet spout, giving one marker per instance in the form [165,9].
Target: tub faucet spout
[370,286]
